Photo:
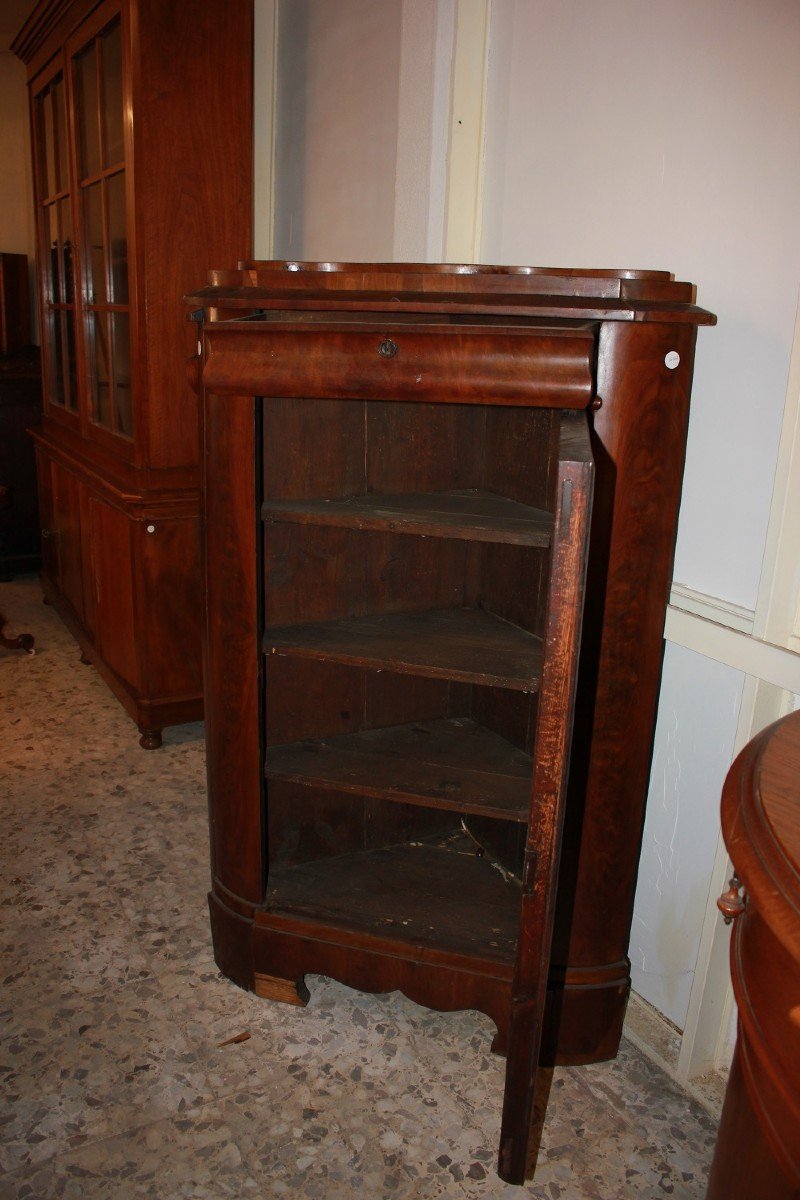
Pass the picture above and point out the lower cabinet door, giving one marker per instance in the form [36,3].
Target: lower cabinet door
[44,475]
[169,561]
[112,548]
[62,499]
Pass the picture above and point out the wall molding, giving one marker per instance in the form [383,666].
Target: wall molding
[712,608]
[265,85]
[723,632]
[465,154]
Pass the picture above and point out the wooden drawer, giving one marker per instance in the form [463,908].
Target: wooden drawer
[451,364]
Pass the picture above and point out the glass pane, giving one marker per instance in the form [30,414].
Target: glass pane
[54,253]
[58,359]
[95,255]
[72,371]
[117,238]
[111,68]
[65,226]
[60,121]
[47,137]
[87,112]
[123,410]
[101,387]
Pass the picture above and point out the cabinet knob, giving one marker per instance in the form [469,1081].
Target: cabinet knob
[387,348]
[49,533]
[731,904]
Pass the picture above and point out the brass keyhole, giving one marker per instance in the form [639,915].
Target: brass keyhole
[387,348]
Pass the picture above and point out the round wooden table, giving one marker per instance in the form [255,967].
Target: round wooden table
[758,1149]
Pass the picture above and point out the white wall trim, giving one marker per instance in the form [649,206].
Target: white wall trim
[425,77]
[440,131]
[712,608]
[778,606]
[265,85]
[465,159]
[773,664]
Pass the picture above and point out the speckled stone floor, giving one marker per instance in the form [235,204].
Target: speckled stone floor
[116,1077]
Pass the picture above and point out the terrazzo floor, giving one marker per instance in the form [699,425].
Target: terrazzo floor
[120,1077]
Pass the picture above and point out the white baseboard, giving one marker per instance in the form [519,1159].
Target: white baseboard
[659,1040]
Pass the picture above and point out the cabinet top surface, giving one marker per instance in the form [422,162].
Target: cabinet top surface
[532,292]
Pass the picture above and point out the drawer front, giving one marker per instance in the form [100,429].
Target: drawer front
[547,368]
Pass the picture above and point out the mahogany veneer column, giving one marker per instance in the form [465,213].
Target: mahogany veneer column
[640,437]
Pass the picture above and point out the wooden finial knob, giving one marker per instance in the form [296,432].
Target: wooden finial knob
[731,904]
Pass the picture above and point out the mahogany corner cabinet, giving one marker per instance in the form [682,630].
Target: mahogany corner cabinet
[399,468]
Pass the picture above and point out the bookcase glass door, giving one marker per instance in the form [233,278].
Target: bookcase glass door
[99,112]
[56,256]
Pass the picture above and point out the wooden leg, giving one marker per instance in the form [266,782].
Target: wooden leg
[150,739]
[23,642]
[499,1044]
[288,991]
[87,662]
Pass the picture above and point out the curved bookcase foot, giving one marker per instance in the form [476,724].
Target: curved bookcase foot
[499,1044]
[23,641]
[150,739]
[288,991]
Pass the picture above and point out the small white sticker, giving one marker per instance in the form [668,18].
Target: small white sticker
[151,528]
[672,359]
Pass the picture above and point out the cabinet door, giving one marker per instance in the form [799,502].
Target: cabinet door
[111,534]
[169,558]
[45,485]
[526,1085]
[67,535]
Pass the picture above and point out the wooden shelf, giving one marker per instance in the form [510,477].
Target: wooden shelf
[463,644]
[471,515]
[451,764]
[434,893]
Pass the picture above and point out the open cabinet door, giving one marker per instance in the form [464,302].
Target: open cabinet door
[519,1131]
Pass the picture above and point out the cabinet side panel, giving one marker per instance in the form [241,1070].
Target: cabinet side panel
[639,447]
[232,660]
[193,185]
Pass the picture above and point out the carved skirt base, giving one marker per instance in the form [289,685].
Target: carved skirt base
[271,955]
